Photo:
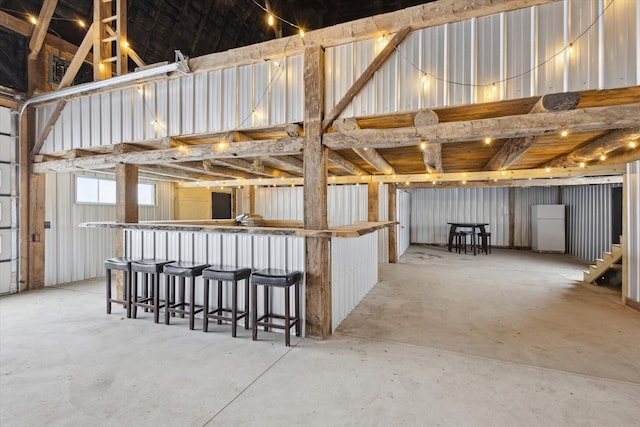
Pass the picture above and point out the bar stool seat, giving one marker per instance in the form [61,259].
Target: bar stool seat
[119,264]
[276,278]
[182,270]
[223,273]
[150,299]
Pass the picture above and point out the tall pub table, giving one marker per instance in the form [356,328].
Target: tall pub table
[472,225]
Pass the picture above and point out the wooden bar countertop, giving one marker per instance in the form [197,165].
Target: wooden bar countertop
[270,227]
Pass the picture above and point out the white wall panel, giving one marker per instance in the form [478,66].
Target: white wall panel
[435,54]
[404,214]
[632,191]
[75,253]
[354,272]
[295,91]
[588,220]
[432,209]
[364,102]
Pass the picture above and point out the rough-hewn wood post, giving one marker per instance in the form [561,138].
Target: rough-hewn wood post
[318,275]
[373,201]
[126,209]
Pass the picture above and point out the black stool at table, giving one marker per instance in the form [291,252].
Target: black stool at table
[269,278]
[150,298]
[182,270]
[124,265]
[222,273]
[485,242]
[460,241]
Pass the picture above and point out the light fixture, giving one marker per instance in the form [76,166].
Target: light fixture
[125,44]
[548,169]
[603,157]
[487,140]
[570,48]
[504,172]
[493,87]
[564,133]
[81,23]
[32,19]
[464,182]
[301,33]
[633,144]
[423,146]
[582,164]
[270,20]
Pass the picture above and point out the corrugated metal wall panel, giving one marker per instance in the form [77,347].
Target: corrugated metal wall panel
[525,47]
[633,230]
[524,199]
[66,255]
[432,209]
[588,220]
[354,272]
[346,204]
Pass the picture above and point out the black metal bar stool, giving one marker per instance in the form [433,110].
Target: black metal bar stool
[124,265]
[233,275]
[150,298]
[485,242]
[460,241]
[180,306]
[282,279]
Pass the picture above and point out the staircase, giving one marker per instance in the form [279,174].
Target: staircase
[608,262]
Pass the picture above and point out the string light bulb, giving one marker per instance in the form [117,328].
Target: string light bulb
[570,48]
[582,164]
[270,20]
[564,133]
[487,140]
[423,146]
[633,144]
[603,157]
[32,19]
[301,33]
[81,23]
[548,169]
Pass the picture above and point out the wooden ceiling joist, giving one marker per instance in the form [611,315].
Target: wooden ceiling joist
[256,167]
[595,149]
[175,172]
[338,159]
[514,148]
[285,146]
[369,155]
[208,166]
[580,120]
[538,182]
[287,162]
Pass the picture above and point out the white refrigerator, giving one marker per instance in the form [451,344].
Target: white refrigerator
[547,228]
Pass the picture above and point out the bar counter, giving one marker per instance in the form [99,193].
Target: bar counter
[275,244]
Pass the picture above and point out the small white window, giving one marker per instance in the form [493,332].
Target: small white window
[99,191]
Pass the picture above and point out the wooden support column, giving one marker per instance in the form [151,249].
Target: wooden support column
[373,203]
[248,199]
[318,274]
[393,231]
[126,209]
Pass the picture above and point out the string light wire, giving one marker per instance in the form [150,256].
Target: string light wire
[279,18]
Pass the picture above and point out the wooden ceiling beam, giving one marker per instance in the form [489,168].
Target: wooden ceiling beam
[208,166]
[366,75]
[42,26]
[292,163]
[177,173]
[538,182]
[252,167]
[579,120]
[514,148]
[595,149]
[338,159]
[369,155]
[285,146]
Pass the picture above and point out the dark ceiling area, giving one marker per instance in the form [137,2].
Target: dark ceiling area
[196,27]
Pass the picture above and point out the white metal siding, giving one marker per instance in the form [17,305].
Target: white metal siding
[522,51]
[346,204]
[432,209]
[588,220]
[239,97]
[633,230]
[74,253]
[354,272]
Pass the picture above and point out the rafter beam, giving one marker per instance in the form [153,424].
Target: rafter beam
[208,166]
[432,157]
[594,149]
[292,163]
[286,146]
[369,155]
[375,65]
[178,173]
[40,32]
[514,148]
[580,120]
[247,166]
[338,159]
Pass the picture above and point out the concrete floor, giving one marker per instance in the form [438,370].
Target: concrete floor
[444,339]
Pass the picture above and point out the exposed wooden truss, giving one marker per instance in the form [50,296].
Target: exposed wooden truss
[40,32]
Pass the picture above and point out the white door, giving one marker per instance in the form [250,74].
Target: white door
[8,204]
[403,213]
